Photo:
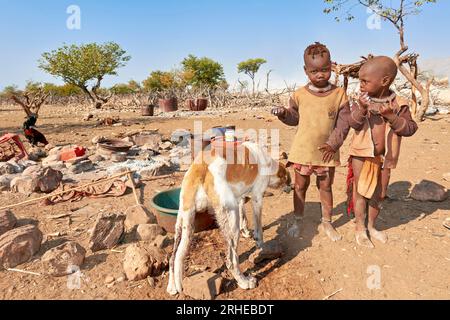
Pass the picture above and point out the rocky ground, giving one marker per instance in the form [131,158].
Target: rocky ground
[116,261]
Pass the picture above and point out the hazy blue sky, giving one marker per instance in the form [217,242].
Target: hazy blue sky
[159,34]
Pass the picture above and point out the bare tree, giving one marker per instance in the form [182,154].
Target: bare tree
[406,62]
[31,99]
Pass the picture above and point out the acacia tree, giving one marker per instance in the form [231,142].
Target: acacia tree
[202,72]
[85,66]
[395,13]
[251,67]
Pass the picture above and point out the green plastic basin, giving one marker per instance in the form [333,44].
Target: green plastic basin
[166,204]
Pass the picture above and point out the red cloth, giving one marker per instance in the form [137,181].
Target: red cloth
[350,180]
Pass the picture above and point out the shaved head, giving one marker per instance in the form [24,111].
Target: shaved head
[377,75]
[381,66]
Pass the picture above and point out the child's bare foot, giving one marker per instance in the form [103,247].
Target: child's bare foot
[363,240]
[330,231]
[380,236]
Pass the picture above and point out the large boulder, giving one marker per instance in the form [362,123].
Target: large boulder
[49,180]
[37,179]
[429,191]
[63,259]
[142,260]
[18,246]
[107,231]
[7,221]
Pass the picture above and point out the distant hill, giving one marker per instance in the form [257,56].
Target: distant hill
[440,67]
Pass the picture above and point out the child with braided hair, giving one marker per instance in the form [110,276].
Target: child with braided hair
[313,108]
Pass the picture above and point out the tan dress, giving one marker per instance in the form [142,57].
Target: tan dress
[317,118]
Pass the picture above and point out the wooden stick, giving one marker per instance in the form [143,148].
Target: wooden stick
[330,295]
[65,191]
[136,197]
[159,177]
[23,271]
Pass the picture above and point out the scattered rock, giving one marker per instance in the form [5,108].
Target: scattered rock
[118,157]
[429,191]
[76,160]
[160,165]
[203,286]
[167,145]
[152,140]
[96,158]
[64,259]
[446,176]
[7,168]
[109,279]
[137,215]
[55,151]
[163,241]
[270,251]
[149,232]
[83,166]
[181,138]
[7,221]
[443,111]
[35,179]
[32,170]
[24,185]
[99,139]
[151,282]
[18,245]
[36,153]
[88,117]
[5,182]
[121,278]
[49,180]
[51,159]
[107,231]
[142,260]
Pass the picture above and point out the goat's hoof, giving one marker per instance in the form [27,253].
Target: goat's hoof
[248,283]
[172,290]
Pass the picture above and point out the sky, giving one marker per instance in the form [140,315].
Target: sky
[159,34]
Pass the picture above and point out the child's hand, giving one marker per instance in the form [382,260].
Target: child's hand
[386,111]
[328,152]
[279,111]
[364,100]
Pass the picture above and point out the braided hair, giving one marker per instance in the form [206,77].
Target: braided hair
[317,49]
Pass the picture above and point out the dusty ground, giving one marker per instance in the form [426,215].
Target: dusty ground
[414,265]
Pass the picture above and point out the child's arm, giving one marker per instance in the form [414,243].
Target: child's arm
[288,116]
[357,116]
[402,123]
[339,134]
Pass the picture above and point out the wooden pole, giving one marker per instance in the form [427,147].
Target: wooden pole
[69,190]
[136,197]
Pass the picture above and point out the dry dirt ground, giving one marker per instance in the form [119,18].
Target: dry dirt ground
[415,264]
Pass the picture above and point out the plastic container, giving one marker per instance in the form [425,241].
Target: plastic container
[72,153]
[166,205]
